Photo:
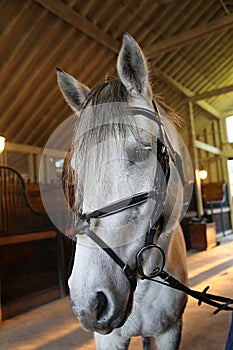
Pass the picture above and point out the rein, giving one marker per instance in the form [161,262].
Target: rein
[219,302]
[158,193]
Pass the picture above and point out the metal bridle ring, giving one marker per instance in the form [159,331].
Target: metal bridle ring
[139,261]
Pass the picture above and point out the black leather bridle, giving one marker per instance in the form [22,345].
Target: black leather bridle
[158,193]
[165,151]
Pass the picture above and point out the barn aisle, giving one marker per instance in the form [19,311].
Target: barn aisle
[53,326]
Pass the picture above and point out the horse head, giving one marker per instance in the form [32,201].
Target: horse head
[113,156]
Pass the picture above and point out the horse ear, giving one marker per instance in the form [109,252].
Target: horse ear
[132,68]
[74,92]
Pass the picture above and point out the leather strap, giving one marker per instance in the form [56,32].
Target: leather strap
[130,274]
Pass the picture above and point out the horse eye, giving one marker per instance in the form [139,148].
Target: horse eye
[139,153]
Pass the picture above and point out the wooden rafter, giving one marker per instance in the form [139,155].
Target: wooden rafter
[87,27]
[193,35]
[208,94]
[77,21]
[206,147]
[188,93]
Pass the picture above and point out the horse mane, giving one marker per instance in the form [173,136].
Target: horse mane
[112,79]
[171,115]
[112,90]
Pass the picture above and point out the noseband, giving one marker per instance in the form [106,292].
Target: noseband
[158,193]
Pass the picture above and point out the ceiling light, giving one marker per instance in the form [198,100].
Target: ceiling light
[203,174]
[2,143]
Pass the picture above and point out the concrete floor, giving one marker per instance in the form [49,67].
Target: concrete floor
[53,326]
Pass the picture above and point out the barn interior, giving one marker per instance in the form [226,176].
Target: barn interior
[188,46]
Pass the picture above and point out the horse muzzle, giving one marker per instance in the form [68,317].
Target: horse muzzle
[102,313]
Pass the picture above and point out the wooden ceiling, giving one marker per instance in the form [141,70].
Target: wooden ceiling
[188,44]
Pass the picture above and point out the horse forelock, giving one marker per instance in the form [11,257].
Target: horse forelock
[103,117]
[103,114]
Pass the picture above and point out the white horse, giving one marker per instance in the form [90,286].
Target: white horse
[115,156]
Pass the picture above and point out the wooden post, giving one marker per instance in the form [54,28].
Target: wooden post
[194,158]
[3,158]
[223,160]
[31,167]
[1,318]
[61,264]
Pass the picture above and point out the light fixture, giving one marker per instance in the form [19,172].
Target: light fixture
[2,143]
[203,174]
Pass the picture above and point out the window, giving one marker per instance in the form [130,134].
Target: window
[230,174]
[229,125]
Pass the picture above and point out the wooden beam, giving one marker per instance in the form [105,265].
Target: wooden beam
[87,27]
[27,237]
[34,56]
[208,94]
[17,47]
[224,6]
[17,147]
[23,148]
[16,18]
[188,93]
[191,36]
[194,158]
[79,22]
[206,147]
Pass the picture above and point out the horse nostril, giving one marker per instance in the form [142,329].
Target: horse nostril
[101,304]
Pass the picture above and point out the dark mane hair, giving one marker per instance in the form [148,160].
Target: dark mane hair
[109,91]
